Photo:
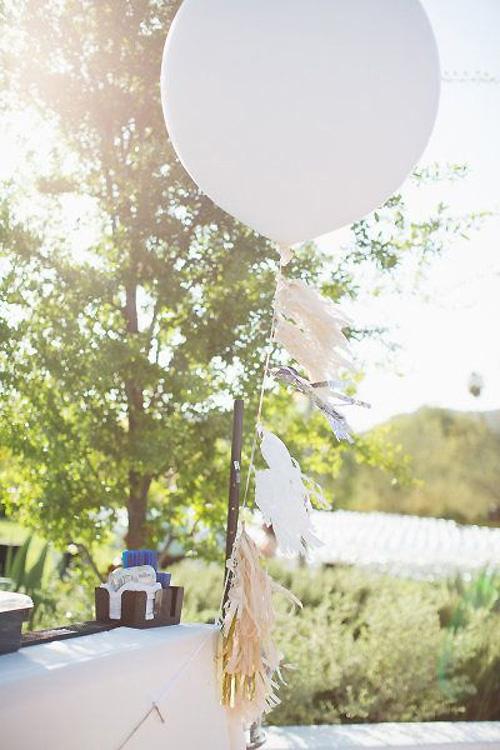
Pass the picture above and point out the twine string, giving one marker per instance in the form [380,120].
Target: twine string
[267,368]
[155,701]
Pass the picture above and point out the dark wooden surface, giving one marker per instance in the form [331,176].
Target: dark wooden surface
[102,605]
[37,637]
[10,630]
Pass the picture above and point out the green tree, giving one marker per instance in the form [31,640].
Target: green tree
[454,463]
[118,363]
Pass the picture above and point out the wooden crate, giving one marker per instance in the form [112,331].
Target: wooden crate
[167,607]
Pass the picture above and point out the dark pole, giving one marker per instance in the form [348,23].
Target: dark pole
[233,505]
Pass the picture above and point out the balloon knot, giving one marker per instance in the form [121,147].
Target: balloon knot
[286,254]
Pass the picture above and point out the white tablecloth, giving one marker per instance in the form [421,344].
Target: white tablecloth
[89,693]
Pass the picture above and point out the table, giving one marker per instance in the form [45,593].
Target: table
[133,689]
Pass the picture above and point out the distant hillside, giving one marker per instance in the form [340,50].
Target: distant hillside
[455,460]
[492,419]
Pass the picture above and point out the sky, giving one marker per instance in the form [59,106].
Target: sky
[447,325]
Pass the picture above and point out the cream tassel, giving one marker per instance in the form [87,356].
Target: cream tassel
[311,330]
[250,658]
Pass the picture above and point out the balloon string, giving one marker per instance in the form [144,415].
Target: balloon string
[267,363]
[285,257]
[172,682]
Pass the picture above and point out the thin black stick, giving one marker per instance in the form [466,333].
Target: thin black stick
[233,506]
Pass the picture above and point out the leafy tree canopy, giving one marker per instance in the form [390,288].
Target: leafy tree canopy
[118,364]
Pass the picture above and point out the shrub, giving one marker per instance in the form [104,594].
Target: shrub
[369,648]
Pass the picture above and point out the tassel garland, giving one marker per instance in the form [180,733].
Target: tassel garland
[250,658]
[310,328]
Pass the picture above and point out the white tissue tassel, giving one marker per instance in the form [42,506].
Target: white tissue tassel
[310,328]
[320,360]
[283,498]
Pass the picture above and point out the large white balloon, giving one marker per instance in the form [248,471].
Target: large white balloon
[300,116]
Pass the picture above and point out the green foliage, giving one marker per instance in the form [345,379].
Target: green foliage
[30,579]
[466,598]
[309,439]
[72,600]
[454,463]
